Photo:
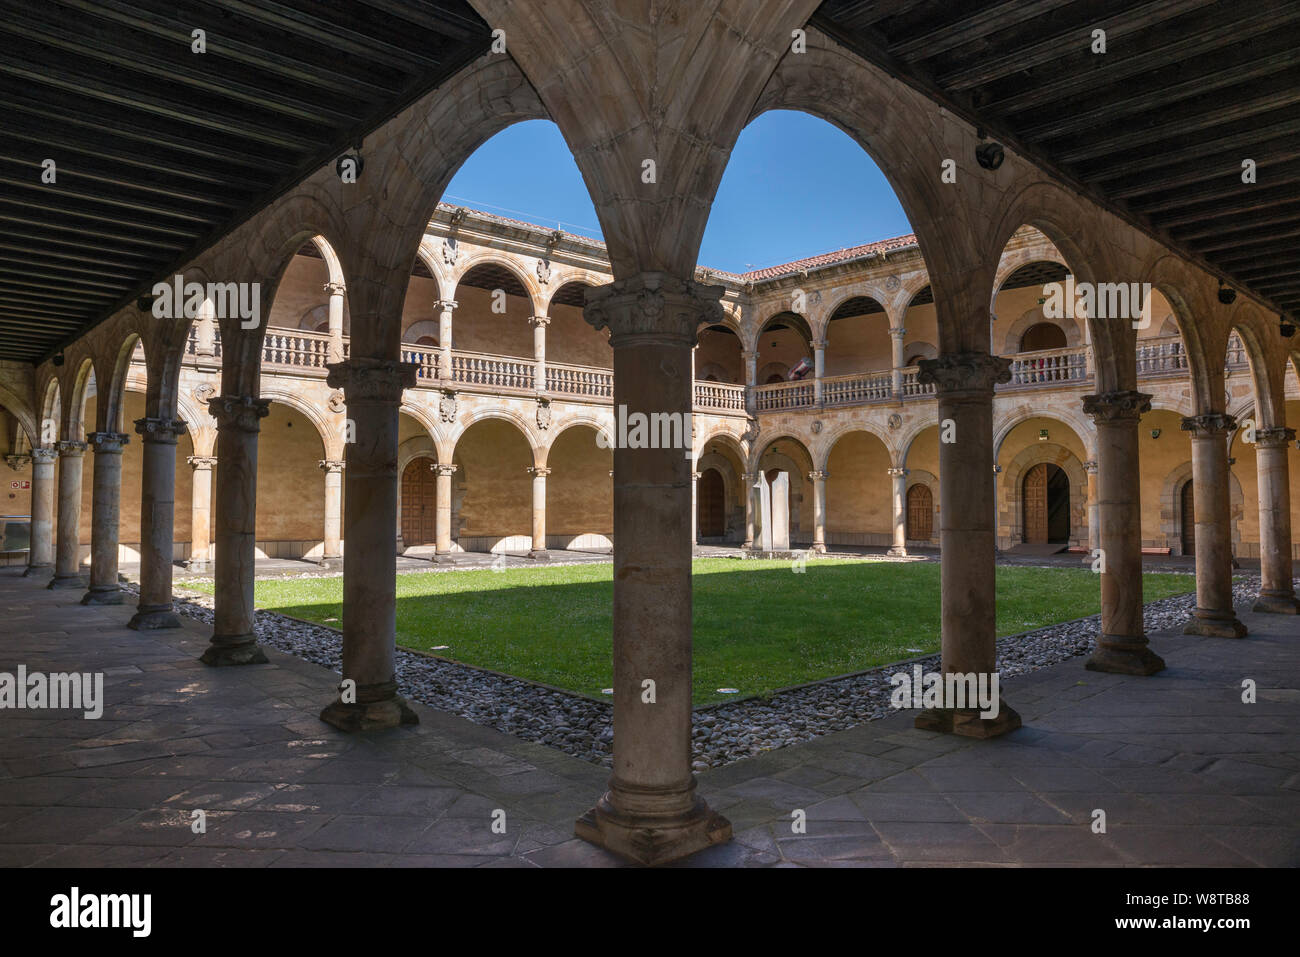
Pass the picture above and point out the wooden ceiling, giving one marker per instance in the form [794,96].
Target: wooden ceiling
[159,151]
[1155,129]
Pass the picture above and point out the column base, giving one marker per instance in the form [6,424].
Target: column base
[652,840]
[539,555]
[967,721]
[1276,603]
[444,558]
[36,570]
[153,617]
[198,565]
[67,581]
[389,712]
[233,650]
[1124,656]
[898,551]
[104,595]
[819,548]
[331,564]
[1213,624]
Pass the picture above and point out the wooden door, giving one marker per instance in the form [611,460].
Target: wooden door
[418,491]
[1188,512]
[711,496]
[1035,499]
[920,513]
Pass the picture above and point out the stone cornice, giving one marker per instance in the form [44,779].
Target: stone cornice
[1113,406]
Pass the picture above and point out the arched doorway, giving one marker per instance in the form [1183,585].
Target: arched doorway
[711,504]
[1043,335]
[1047,505]
[920,513]
[1187,513]
[418,509]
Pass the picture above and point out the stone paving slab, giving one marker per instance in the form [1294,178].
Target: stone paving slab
[1186,773]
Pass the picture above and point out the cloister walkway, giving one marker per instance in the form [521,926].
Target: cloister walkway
[1186,773]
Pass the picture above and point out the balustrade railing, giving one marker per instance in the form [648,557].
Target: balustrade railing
[857,389]
[298,349]
[913,388]
[1048,366]
[426,362]
[784,395]
[499,372]
[579,381]
[1161,356]
[722,396]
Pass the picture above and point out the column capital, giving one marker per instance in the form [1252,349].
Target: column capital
[1090,466]
[443,469]
[330,465]
[17,462]
[536,321]
[818,344]
[897,332]
[447,305]
[537,472]
[108,443]
[653,306]
[896,471]
[1114,406]
[748,354]
[71,448]
[239,412]
[819,475]
[158,429]
[964,372]
[371,380]
[42,456]
[202,463]
[749,478]
[335,288]
[1209,424]
[1278,437]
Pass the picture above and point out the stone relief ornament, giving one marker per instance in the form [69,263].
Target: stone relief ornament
[543,271]
[817,426]
[336,401]
[203,393]
[447,406]
[895,421]
[892,283]
[450,252]
[543,414]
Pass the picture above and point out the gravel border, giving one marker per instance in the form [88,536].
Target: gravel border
[722,733]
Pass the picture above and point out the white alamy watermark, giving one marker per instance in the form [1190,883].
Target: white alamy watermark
[59,690]
[75,910]
[230,300]
[1103,300]
[932,689]
[639,430]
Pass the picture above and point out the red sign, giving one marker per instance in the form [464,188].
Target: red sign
[21,483]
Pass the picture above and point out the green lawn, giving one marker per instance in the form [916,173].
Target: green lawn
[758,626]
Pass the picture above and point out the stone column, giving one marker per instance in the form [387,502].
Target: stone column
[819,510]
[539,324]
[967,530]
[442,515]
[157,513]
[40,553]
[67,567]
[445,309]
[896,333]
[651,811]
[898,503]
[1094,519]
[749,478]
[1122,644]
[335,290]
[205,336]
[751,381]
[538,551]
[368,697]
[1214,616]
[234,640]
[105,513]
[201,512]
[819,368]
[1277,591]
[695,508]
[332,549]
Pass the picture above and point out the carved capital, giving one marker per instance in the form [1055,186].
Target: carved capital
[330,465]
[1114,406]
[653,306]
[42,456]
[536,321]
[1209,424]
[335,288]
[1090,467]
[536,472]
[819,475]
[18,462]
[447,305]
[818,344]
[964,372]
[107,443]
[444,469]
[1276,438]
[202,463]
[898,471]
[240,412]
[897,332]
[155,429]
[372,380]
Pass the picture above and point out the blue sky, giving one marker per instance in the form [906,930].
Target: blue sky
[795,186]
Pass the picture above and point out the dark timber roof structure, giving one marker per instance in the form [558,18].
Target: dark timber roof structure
[159,151]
